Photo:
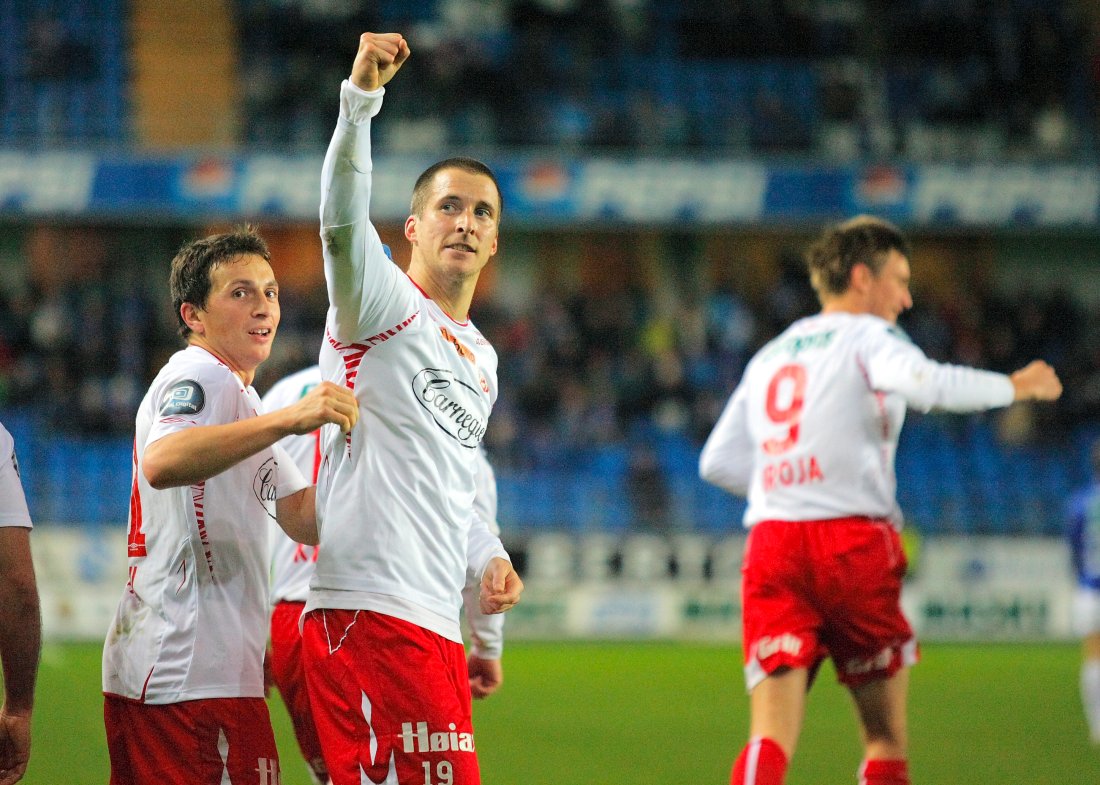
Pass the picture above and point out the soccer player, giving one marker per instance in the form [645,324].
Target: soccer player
[183,659]
[292,567]
[809,437]
[20,618]
[382,636]
[1083,534]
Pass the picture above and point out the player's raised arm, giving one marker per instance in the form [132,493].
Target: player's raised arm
[355,262]
[379,57]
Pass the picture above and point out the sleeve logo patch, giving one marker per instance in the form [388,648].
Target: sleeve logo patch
[186,397]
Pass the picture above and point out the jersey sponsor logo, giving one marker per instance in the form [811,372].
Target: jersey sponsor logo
[786,643]
[463,352]
[786,473]
[423,740]
[265,483]
[452,403]
[268,769]
[186,397]
[879,662]
[794,345]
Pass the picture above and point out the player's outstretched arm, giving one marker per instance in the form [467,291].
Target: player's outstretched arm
[380,56]
[1036,381]
[196,454]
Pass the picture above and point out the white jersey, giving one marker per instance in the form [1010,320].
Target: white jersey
[396,511]
[812,429]
[13,503]
[192,621]
[292,562]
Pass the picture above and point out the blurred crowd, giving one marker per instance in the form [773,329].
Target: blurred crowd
[581,368]
[839,78]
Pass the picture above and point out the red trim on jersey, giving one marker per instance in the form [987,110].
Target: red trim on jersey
[198,496]
[135,537]
[316,454]
[352,353]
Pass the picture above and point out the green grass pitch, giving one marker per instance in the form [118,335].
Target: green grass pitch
[676,714]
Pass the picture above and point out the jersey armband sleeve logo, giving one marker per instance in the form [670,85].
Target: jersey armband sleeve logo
[186,397]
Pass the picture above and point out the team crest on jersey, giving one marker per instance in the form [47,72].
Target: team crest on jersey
[186,397]
[456,407]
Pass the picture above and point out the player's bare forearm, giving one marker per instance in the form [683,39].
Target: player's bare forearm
[20,620]
[297,515]
[197,454]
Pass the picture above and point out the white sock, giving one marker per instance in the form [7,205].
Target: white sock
[1090,696]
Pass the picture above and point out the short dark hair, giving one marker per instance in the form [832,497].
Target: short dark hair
[189,280]
[864,239]
[471,165]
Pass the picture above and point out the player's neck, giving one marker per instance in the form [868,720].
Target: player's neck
[453,296]
[849,302]
[202,343]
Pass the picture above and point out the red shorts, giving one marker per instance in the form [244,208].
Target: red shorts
[198,742]
[389,697]
[290,678]
[812,589]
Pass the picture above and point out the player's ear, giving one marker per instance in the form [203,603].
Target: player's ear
[192,317]
[861,277]
[410,229]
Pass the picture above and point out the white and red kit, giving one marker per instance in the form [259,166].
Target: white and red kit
[398,529]
[13,503]
[192,621]
[810,436]
[395,498]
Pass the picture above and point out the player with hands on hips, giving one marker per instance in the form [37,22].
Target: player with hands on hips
[809,437]
[381,634]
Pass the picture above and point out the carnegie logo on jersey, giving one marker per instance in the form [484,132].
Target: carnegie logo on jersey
[453,404]
[186,397]
[264,484]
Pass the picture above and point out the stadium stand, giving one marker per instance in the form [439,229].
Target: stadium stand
[607,394]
